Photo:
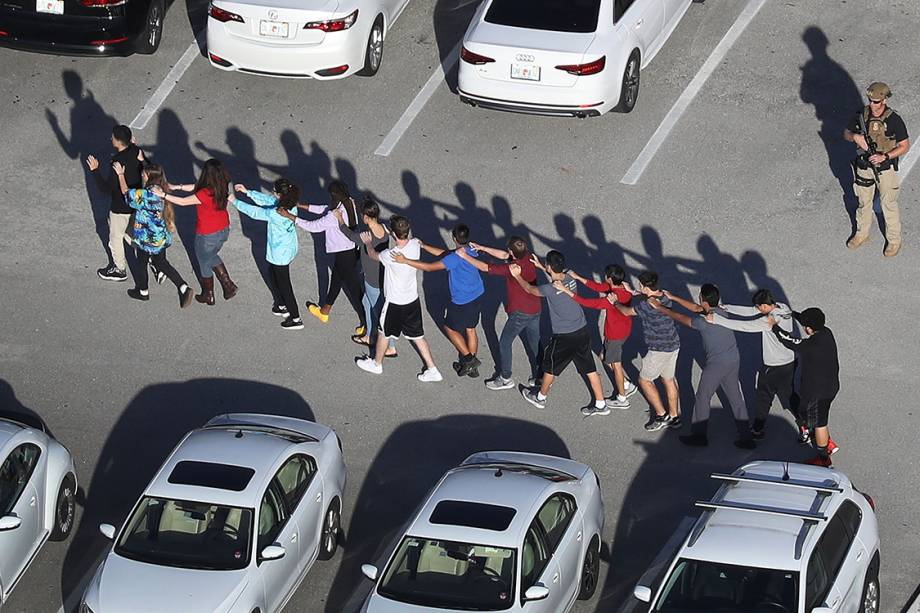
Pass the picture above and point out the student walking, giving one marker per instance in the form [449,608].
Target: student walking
[129,157]
[281,246]
[154,224]
[212,226]
[720,371]
[402,309]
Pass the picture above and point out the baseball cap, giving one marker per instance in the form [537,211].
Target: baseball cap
[812,317]
[878,91]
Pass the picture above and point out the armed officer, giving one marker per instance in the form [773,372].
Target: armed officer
[881,138]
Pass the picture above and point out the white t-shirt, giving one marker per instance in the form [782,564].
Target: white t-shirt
[399,280]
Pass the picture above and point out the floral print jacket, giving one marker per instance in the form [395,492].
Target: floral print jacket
[150,232]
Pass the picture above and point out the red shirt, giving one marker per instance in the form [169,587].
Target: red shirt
[519,301]
[617,326]
[210,218]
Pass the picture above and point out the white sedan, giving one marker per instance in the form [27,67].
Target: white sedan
[575,58]
[231,523]
[313,39]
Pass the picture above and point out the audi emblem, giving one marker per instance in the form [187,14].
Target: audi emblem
[273,15]
[523,57]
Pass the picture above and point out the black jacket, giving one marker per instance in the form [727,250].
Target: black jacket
[817,356]
[109,183]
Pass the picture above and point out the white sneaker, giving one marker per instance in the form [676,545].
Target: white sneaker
[616,403]
[631,388]
[430,375]
[368,364]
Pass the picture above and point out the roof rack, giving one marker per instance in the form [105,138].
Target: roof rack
[809,485]
[757,508]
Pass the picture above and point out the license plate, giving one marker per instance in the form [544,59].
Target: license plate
[55,7]
[278,29]
[525,72]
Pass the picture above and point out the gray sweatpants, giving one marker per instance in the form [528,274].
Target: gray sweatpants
[716,375]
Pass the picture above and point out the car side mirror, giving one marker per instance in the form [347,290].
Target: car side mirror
[108,531]
[370,571]
[9,522]
[643,593]
[536,592]
[273,552]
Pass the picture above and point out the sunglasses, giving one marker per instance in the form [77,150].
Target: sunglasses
[876,101]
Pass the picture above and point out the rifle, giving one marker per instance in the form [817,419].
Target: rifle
[871,148]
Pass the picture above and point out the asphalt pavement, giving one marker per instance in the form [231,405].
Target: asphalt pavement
[749,189]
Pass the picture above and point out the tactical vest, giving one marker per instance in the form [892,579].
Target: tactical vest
[876,129]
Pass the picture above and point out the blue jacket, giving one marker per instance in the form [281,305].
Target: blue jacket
[281,245]
[150,232]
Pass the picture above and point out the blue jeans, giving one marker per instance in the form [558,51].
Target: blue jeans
[206,248]
[517,323]
[372,305]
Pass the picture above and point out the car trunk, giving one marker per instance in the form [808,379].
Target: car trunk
[280,22]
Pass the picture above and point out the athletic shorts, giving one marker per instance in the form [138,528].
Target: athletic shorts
[613,351]
[658,364]
[565,348]
[462,317]
[815,412]
[405,319]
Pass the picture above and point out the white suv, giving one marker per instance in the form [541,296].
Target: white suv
[776,538]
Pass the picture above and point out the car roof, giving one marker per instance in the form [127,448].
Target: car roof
[747,536]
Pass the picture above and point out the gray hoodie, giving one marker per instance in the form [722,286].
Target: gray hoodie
[774,353]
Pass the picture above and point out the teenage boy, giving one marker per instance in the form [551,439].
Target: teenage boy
[523,308]
[720,371]
[570,341]
[402,309]
[466,289]
[660,360]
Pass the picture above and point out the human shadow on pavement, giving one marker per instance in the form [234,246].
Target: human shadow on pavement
[828,87]
[152,424]
[409,463]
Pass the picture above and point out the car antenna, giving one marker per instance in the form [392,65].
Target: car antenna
[785,471]
[239,433]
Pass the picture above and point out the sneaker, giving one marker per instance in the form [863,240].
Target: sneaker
[534,382]
[590,410]
[185,298]
[360,330]
[469,367]
[280,310]
[694,440]
[745,443]
[672,422]
[631,388]
[530,395]
[656,423]
[430,375]
[368,364]
[317,312]
[824,461]
[804,436]
[292,324]
[160,277]
[615,403]
[832,447]
[111,273]
[499,383]
[137,295]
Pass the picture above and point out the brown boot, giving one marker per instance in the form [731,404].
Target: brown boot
[892,249]
[207,291]
[226,283]
[857,241]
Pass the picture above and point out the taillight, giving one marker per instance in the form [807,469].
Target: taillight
[582,70]
[108,41]
[4,33]
[219,60]
[222,15]
[334,71]
[101,3]
[333,25]
[474,58]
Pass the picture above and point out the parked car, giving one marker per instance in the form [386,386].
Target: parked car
[38,485]
[232,522]
[316,39]
[776,538]
[575,58]
[503,531]
[83,27]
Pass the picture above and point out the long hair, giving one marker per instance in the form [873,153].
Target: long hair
[215,178]
[288,193]
[338,194]
[157,178]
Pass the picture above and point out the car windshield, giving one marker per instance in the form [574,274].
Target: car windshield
[554,15]
[187,535]
[450,575]
[714,587]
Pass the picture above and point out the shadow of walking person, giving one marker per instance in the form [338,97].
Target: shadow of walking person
[828,87]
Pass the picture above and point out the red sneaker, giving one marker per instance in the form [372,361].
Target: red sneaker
[820,461]
[832,447]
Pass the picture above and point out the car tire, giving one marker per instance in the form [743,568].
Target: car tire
[373,52]
[65,509]
[150,37]
[629,89]
[590,569]
[332,527]
[872,593]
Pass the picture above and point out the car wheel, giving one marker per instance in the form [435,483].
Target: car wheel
[329,539]
[872,594]
[65,509]
[373,54]
[590,570]
[149,40]
[629,90]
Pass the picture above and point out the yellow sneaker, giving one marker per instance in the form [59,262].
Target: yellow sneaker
[316,312]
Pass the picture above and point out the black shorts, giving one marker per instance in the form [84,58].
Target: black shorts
[405,319]
[572,347]
[814,412]
[462,317]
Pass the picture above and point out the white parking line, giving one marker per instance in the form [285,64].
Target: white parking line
[907,163]
[415,107]
[709,66]
[162,92]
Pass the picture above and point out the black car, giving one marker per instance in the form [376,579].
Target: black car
[83,27]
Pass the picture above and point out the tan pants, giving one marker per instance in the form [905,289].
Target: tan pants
[888,186]
[119,224]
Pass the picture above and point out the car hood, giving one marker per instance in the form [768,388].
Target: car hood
[378,604]
[126,585]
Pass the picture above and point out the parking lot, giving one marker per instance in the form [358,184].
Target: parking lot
[742,188]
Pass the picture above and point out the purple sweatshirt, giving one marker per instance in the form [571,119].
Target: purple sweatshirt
[335,240]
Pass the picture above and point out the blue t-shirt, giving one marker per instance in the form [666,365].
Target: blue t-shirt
[465,281]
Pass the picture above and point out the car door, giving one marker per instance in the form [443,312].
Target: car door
[850,578]
[831,577]
[303,493]
[562,525]
[645,18]
[538,567]
[275,526]
[19,498]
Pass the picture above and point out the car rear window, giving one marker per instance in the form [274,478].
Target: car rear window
[472,515]
[555,15]
[208,474]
